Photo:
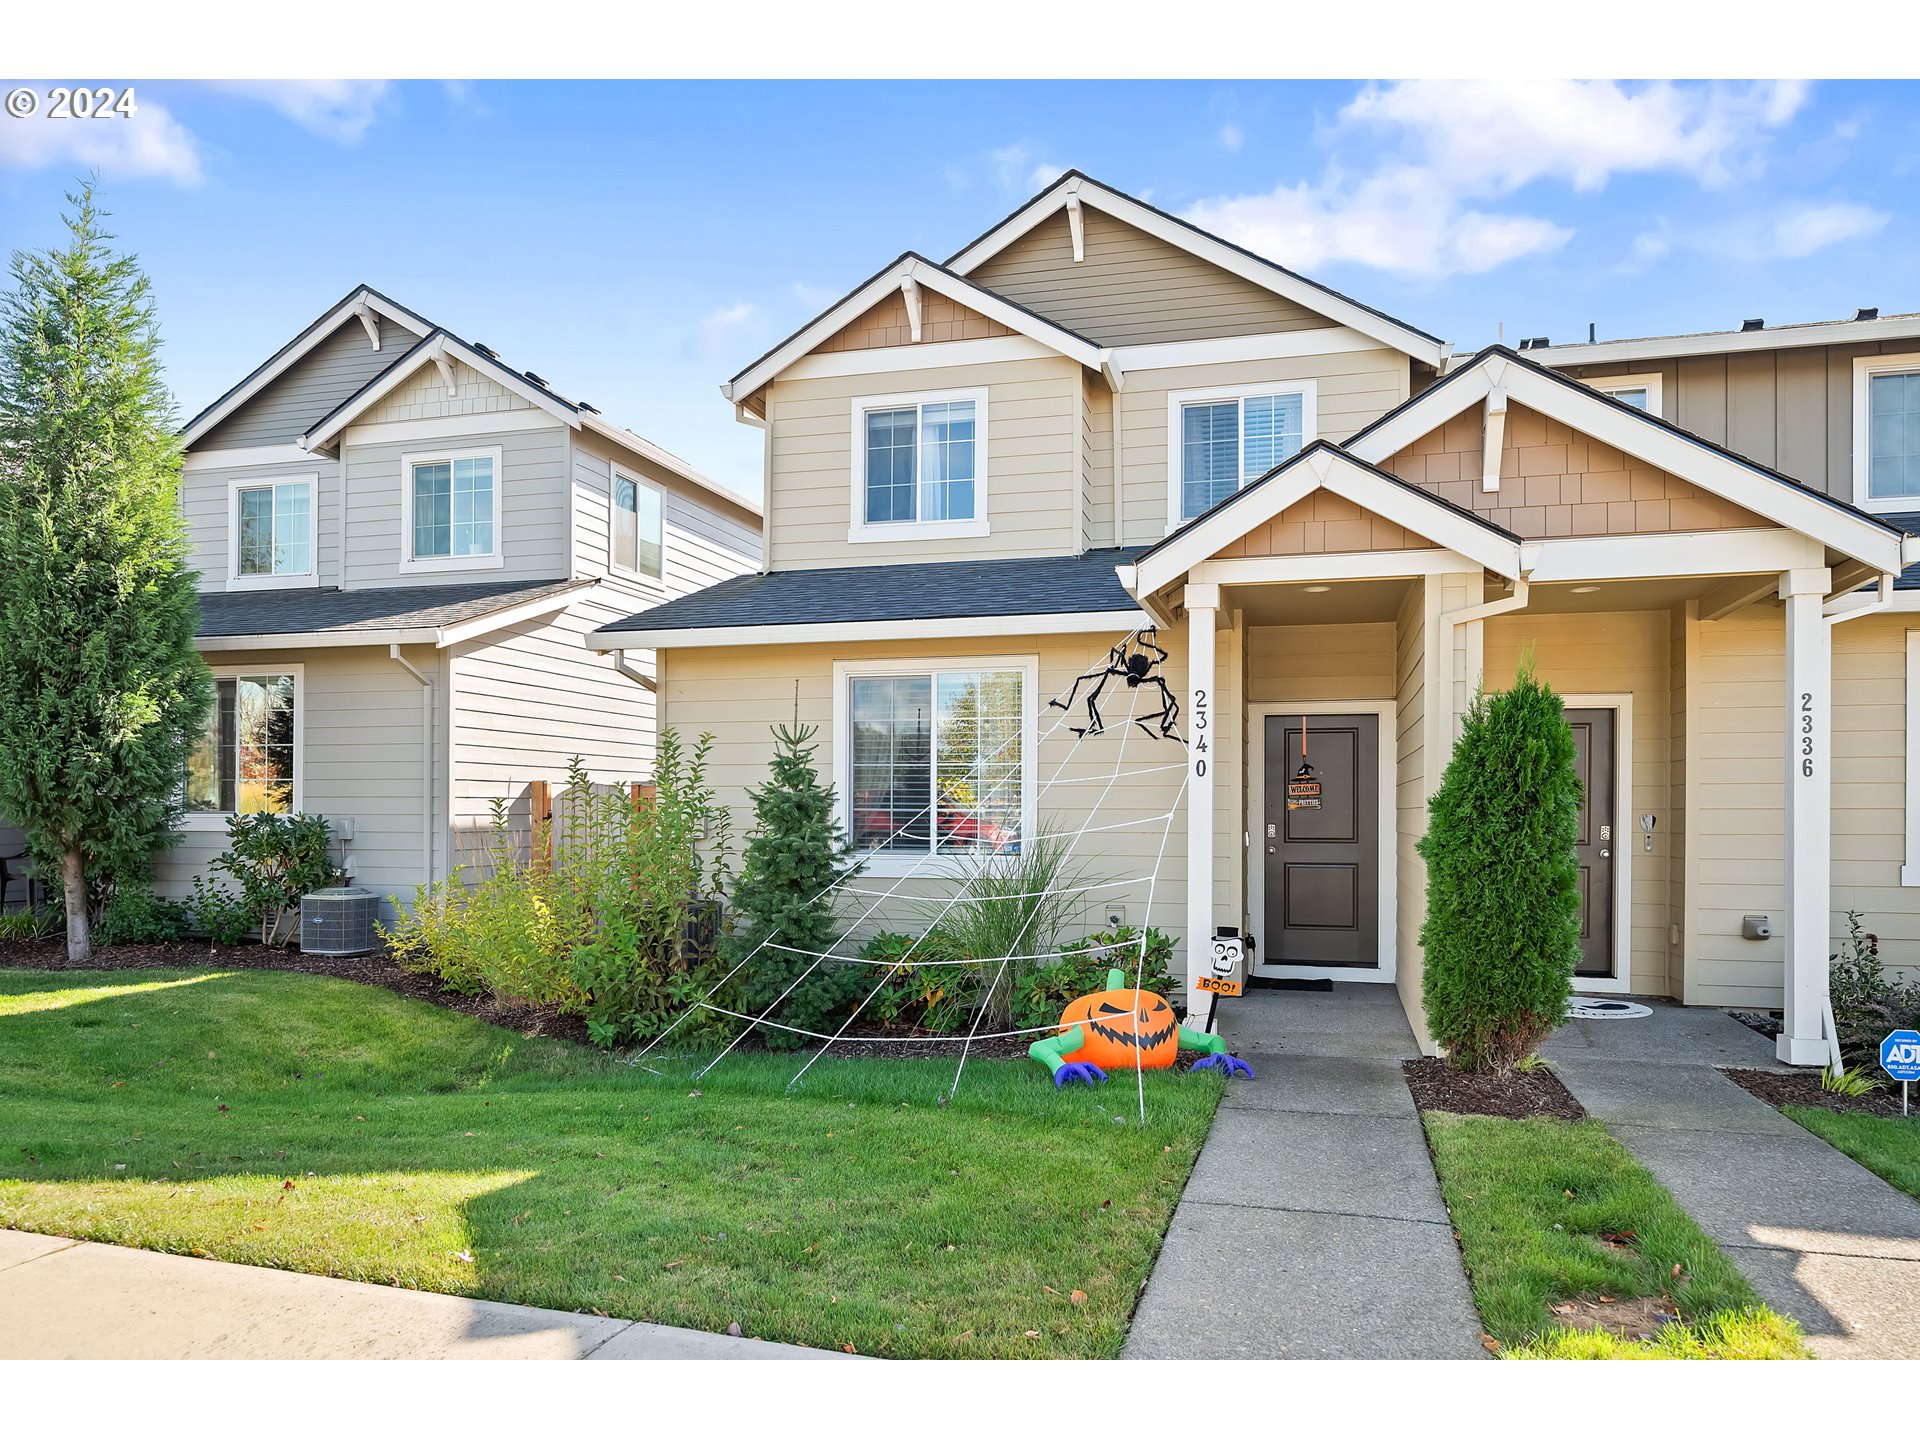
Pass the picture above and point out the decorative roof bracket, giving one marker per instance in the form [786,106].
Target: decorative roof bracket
[910,292]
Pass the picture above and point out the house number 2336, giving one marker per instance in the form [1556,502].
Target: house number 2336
[1202,722]
[1806,732]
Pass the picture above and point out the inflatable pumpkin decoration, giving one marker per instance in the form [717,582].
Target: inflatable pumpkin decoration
[1118,1028]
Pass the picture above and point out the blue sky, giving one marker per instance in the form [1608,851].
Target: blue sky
[638,242]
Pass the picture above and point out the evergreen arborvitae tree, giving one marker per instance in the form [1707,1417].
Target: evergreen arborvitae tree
[101,690]
[794,855]
[1502,933]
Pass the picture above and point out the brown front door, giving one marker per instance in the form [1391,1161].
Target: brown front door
[1600,838]
[1323,861]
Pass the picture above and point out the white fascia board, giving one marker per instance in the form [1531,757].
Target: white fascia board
[464,630]
[1222,528]
[1283,345]
[317,639]
[1645,557]
[1211,249]
[1370,565]
[318,331]
[247,457]
[444,349]
[1427,412]
[445,427]
[1787,337]
[1077,622]
[886,283]
[935,355]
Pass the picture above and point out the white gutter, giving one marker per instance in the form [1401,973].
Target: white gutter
[634,673]
[318,639]
[426,760]
[1882,600]
[1076,622]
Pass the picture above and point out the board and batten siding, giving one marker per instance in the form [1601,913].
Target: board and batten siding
[206,503]
[1790,409]
[1133,288]
[1032,464]
[312,387]
[360,760]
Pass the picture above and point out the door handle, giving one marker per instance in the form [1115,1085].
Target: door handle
[1606,854]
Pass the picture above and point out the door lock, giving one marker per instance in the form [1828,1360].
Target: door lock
[1606,833]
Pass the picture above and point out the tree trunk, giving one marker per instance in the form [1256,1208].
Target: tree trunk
[73,872]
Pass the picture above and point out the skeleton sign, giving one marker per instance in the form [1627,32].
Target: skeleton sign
[1134,660]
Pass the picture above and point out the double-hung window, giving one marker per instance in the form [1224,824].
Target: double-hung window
[919,466]
[450,510]
[271,522]
[246,760]
[1222,440]
[636,542]
[936,759]
[1886,432]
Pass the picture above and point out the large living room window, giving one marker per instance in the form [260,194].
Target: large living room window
[936,759]
[1886,432]
[1222,440]
[451,510]
[919,466]
[271,522]
[247,759]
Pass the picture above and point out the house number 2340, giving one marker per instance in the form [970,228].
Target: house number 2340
[1806,732]
[1202,721]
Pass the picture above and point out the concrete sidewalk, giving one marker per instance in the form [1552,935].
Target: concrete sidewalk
[66,1299]
[1822,1239]
[1313,1226]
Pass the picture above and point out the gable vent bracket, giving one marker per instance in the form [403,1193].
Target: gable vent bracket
[444,362]
[1077,223]
[910,292]
[1494,438]
[363,312]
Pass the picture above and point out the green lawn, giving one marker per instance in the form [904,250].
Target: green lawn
[1536,1203]
[311,1124]
[1888,1147]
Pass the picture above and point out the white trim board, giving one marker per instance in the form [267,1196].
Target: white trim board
[1231,349]
[246,457]
[1626,835]
[1075,622]
[1783,337]
[938,355]
[1865,367]
[302,580]
[1256,854]
[208,820]
[411,564]
[1179,400]
[1652,382]
[441,350]
[975,527]
[446,427]
[1910,870]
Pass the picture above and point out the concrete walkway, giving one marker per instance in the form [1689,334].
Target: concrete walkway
[1313,1226]
[72,1300]
[1822,1239]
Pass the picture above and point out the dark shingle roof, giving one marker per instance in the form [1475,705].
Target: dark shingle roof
[954,589]
[393,607]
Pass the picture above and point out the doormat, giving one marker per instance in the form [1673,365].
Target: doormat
[1260,982]
[1588,1007]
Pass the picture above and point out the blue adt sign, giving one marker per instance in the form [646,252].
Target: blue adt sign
[1900,1055]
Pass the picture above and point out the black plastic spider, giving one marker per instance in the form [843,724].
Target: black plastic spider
[1133,660]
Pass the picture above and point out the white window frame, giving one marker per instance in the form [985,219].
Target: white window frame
[1865,367]
[615,475]
[893,863]
[217,819]
[1178,400]
[306,578]
[411,563]
[860,531]
[1656,397]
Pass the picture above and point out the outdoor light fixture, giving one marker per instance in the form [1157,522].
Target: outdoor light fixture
[1585,589]
[1318,589]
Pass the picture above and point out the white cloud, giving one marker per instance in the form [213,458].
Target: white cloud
[1798,233]
[148,143]
[341,110]
[1018,167]
[718,327]
[813,297]
[1231,137]
[1424,208]
[1789,233]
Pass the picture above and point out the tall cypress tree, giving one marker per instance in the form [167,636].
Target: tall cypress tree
[101,690]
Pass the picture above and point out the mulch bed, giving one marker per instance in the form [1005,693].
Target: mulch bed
[1761,1022]
[1537,1094]
[1802,1087]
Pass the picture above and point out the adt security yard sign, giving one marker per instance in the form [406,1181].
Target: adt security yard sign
[1900,1058]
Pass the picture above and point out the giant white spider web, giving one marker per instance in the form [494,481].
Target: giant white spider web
[930,867]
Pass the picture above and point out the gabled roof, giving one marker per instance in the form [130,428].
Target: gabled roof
[918,270]
[1647,437]
[1325,466]
[1236,259]
[362,301]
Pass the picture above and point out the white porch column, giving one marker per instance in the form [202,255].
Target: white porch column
[1203,607]
[1809,815]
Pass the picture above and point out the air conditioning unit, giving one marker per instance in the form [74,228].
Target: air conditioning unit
[339,921]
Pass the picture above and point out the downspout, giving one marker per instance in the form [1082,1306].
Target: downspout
[635,673]
[426,759]
[1449,619]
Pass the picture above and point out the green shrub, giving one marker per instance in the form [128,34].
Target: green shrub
[928,992]
[134,915]
[783,902]
[1011,907]
[1082,969]
[1502,933]
[276,860]
[1867,1000]
[27,924]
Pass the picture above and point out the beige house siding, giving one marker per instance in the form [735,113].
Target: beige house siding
[1032,464]
[1791,409]
[206,503]
[312,387]
[1411,791]
[1323,524]
[1133,288]
[1096,464]
[1352,389]
[888,323]
[1555,482]
[1321,662]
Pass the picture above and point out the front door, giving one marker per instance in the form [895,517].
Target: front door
[1593,733]
[1322,839]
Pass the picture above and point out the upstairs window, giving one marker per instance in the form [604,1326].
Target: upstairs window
[1893,436]
[451,510]
[246,760]
[1642,392]
[1223,440]
[272,528]
[919,466]
[638,530]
